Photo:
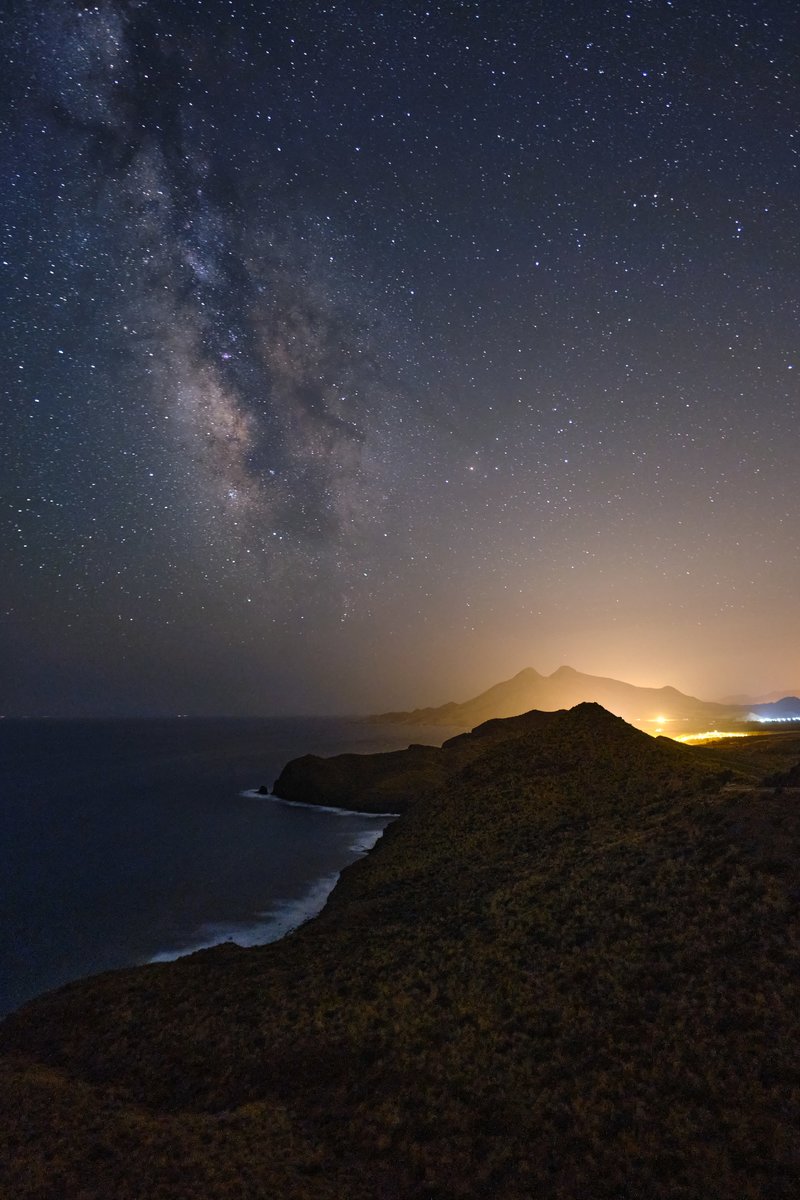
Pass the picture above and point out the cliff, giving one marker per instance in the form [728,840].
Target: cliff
[570,970]
[376,783]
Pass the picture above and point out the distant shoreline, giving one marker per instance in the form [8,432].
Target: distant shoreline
[255,794]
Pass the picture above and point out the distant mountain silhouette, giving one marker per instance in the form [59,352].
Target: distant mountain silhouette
[788,708]
[769,698]
[567,687]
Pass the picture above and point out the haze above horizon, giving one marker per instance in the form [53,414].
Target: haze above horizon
[358,355]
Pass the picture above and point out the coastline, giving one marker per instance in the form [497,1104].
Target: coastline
[283,916]
[255,794]
[121,839]
[281,919]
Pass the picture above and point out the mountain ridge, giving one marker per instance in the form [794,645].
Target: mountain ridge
[565,688]
[787,708]
[746,701]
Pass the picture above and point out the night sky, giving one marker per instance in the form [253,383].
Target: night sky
[358,355]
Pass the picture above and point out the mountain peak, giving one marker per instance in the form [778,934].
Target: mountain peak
[527,690]
[589,712]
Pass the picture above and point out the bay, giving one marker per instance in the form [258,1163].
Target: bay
[126,841]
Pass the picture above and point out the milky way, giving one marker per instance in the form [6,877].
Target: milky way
[360,355]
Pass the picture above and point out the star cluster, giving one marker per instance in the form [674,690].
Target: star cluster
[358,355]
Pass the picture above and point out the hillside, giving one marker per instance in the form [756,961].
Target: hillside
[568,971]
[393,781]
[645,708]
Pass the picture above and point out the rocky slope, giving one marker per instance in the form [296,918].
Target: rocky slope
[568,971]
[390,782]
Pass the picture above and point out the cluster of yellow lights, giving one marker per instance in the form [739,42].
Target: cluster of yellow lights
[710,735]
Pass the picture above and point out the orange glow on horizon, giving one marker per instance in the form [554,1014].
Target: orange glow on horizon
[710,735]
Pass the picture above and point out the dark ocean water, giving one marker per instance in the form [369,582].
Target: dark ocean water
[123,841]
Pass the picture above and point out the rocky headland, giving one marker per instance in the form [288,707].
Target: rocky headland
[390,782]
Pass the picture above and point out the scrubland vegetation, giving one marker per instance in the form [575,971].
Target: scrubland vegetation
[569,971]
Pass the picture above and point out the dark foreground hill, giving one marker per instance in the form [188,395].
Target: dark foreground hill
[643,707]
[391,782]
[569,971]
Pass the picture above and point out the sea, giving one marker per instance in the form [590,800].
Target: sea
[133,841]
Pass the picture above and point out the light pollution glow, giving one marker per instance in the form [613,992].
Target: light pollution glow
[310,411]
[710,735]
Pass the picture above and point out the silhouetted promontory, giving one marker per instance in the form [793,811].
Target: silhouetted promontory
[376,783]
[390,782]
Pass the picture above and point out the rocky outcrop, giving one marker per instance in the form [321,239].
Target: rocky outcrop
[376,783]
